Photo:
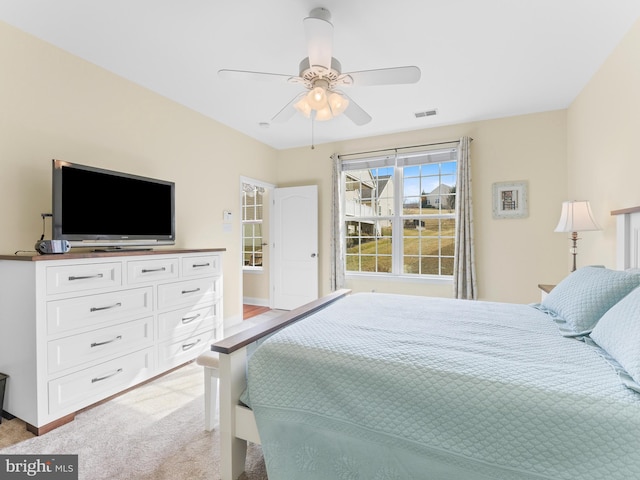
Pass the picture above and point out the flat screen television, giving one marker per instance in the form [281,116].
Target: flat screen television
[95,207]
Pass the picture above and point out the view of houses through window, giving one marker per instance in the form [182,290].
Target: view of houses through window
[399,213]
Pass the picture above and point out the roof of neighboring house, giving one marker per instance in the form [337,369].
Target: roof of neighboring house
[441,189]
[354,176]
[382,182]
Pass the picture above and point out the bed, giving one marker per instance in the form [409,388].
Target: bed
[381,386]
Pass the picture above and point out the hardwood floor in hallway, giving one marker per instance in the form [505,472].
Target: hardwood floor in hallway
[249,311]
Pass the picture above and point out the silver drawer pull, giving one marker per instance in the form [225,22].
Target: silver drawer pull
[98,344]
[84,277]
[189,346]
[150,270]
[186,320]
[99,379]
[190,291]
[108,307]
[200,265]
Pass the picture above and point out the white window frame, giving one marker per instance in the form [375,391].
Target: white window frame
[397,220]
[257,185]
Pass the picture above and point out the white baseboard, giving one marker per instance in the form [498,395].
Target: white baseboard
[261,302]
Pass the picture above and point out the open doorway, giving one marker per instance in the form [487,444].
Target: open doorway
[255,196]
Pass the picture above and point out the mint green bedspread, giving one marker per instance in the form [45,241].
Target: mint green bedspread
[386,387]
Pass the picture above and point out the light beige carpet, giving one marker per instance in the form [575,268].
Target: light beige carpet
[153,432]
[13,431]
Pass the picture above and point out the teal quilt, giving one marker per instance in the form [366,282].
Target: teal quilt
[387,387]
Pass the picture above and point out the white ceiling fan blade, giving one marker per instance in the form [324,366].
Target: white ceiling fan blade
[382,76]
[288,110]
[319,33]
[355,112]
[254,76]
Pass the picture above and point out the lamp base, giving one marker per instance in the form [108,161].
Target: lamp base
[574,248]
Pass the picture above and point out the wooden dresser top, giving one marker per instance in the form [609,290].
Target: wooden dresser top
[90,254]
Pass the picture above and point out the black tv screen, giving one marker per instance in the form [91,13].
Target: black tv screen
[98,207]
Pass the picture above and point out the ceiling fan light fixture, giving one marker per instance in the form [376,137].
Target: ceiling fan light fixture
[317,98]
[323,114]
[303,106]
[338,103]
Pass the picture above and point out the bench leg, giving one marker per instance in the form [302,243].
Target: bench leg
[233,451]
[210,398]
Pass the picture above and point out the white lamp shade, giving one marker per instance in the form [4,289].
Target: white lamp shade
[324,114]
[576,216]
[338,103]
[317,98]
[303,107]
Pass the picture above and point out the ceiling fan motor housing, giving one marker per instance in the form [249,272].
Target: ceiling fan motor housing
[310,74]
[321,13]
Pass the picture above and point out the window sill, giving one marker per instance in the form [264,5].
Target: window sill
[430,279]
[253,270]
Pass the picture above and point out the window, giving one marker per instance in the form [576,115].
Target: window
[399,213]
[252,215]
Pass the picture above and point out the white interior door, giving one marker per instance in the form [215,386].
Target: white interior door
[294,246]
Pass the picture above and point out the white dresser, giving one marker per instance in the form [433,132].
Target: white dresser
[80,327]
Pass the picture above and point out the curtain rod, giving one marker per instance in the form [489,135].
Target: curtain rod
[400,148]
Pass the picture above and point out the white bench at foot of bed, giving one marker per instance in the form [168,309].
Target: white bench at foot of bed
[237,423]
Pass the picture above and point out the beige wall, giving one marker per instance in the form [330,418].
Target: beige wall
[512,255]
[55,105]
[603,152]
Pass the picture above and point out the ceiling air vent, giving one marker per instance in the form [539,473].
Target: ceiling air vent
[426,113]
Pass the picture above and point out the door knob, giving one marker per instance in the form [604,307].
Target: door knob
[313,255]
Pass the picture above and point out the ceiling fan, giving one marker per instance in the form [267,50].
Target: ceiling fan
[321,76]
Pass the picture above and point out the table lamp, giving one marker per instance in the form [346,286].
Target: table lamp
[576,216]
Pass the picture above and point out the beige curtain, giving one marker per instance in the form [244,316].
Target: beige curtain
[464,274]
[337,227]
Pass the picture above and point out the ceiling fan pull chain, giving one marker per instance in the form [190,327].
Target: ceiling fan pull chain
[313,117]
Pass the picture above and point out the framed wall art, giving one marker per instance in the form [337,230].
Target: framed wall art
[510,200]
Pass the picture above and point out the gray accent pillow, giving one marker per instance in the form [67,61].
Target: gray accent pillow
[618,333]
[579,300]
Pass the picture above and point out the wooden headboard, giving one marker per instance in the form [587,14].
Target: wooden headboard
[627,238]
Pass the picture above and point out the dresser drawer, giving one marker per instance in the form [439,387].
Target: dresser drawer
[80,389]
[189,292]
[150,270]
[92,310]
[201,265]
[78,278]
[86,347]
[186,321]
[174,353]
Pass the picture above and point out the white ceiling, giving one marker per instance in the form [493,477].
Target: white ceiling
[480,59]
